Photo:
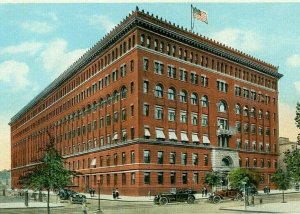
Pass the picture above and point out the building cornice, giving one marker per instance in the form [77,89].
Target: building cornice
[139,19]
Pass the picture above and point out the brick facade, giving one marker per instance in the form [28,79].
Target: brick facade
[153,90]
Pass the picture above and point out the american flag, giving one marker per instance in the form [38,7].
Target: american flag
[200,15]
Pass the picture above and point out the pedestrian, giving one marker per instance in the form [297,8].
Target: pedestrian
[114,193]
[90,191]
[205,191]
[265,190]
[202,191]
[93,192]
[84,208]
[117,193]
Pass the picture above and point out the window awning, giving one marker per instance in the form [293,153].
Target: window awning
[205,139]
[93,163]
[160,134]
[184,136]
[172,135]
[195,137]
[115,136]
[147,132]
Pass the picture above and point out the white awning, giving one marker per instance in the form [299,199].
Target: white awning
[147,132]
[93,163]
[195,137]
[160,134]
[172,135]
[115,136]
[205,139]
[184,136]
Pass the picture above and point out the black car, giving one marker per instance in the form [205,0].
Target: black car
[67,194]
[175,196]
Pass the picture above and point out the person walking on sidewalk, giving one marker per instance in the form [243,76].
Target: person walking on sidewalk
[114,193]
[117,193]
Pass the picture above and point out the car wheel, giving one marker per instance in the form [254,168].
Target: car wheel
[190,200]
[163,201]
[217,199]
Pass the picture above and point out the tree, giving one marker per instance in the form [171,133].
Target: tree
[49,174]
[292,161]
[213,179]
[297,120]
[238,177]
[282,179]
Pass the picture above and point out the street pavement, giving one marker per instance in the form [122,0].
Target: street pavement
[271,204]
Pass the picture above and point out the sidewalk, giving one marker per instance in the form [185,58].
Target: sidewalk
[21,205]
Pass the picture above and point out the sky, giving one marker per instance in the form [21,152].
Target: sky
[40,41]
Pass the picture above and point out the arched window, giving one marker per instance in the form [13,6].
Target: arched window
[246,111]
[253,112]
[204,101]
[183,96]
[171,94]
[159,90]
[194,98]
[108,99]
[123,92]
[238,109]
[222,106]
[226,161]
[115,96]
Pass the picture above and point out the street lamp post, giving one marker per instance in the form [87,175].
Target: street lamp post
[244,183]
[99,209]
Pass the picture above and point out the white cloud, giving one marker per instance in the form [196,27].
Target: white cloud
[297,86]
[294,61]
[56,58]
[102,21]
[37,27]
[287,126]
[15,74]
[30,48]
[244,40]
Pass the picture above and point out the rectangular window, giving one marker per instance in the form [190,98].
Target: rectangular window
[183,76]
[205,160]
[159,113]
[146,177]
[204,81]
[172,157]
[146,110]
[173,177]
[195,159]
[158,68]
[132,176]
[123,157]
[183,158]
[123,114]
[196,177]
[146,156]
[171,115]
[171,71]
[237,91]
[145,87]
[204,120]
[108,120]
[184,178]
[132,157]
[123,70]
[194,118]
[183,117]
[146,64]
[123,178]
[194,78]
[222,86]
[246,93]
[160,178]
[160,157]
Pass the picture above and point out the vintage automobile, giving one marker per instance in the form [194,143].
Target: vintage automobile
[232,194]
[184,195]
[74,197]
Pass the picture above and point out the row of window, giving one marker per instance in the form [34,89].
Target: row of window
[205,61]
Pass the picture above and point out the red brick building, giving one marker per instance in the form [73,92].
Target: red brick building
[153,106]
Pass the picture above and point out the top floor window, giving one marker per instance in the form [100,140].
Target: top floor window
[142,40]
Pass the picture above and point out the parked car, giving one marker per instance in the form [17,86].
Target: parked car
[67,194]
[185,195]
[231,194]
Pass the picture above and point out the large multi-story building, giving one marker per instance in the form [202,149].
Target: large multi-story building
[153,106]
